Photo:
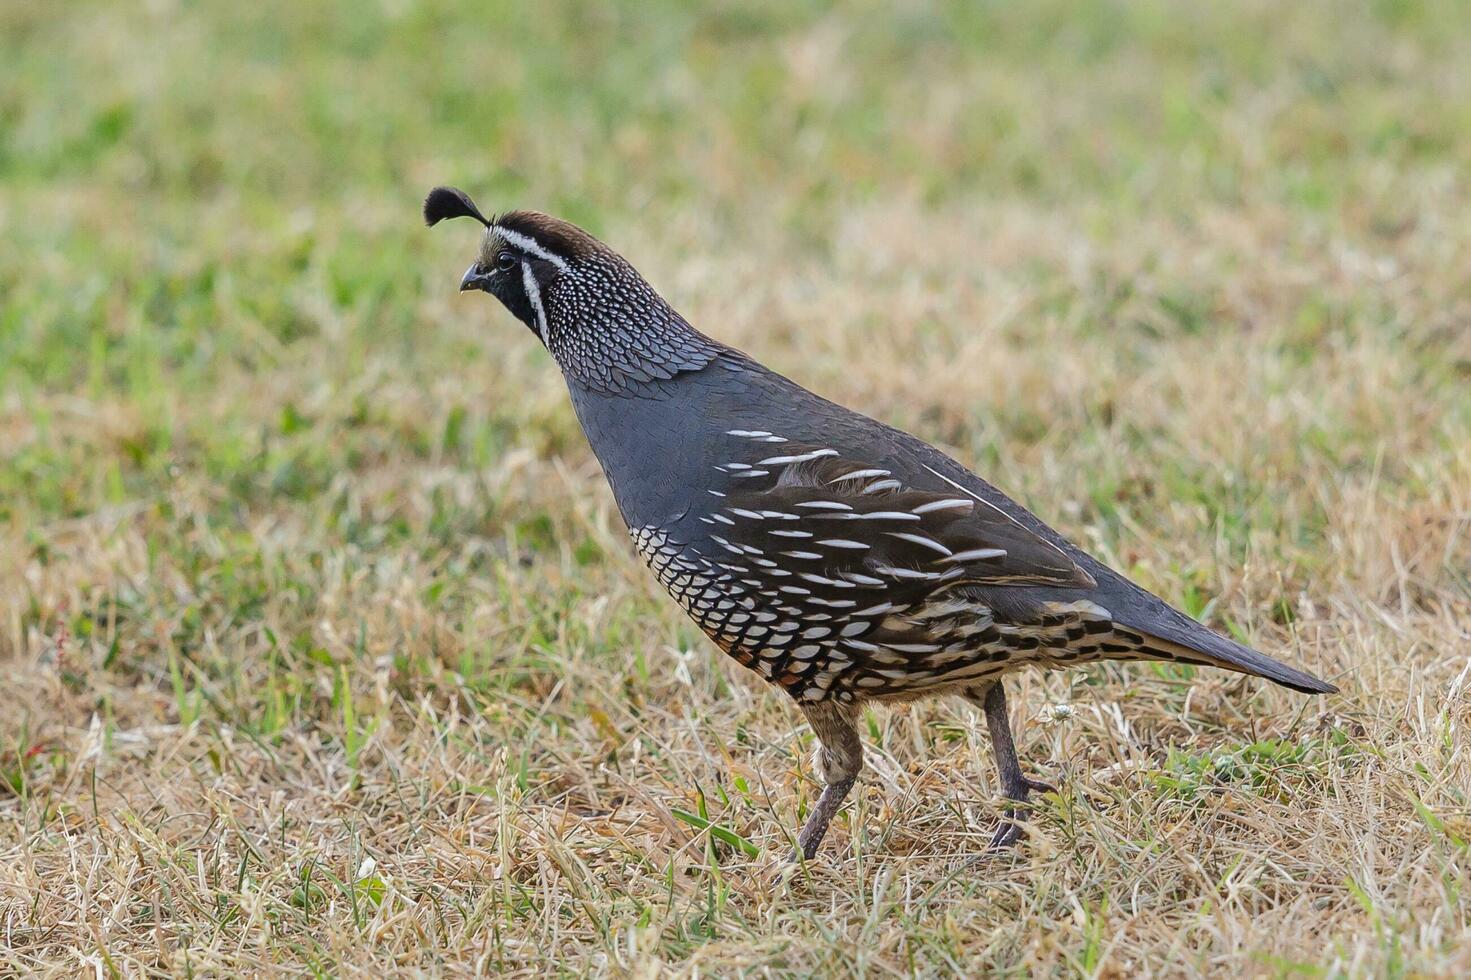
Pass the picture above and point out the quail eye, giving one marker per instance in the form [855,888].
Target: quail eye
[505,261]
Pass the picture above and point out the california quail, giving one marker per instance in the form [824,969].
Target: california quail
[840,559]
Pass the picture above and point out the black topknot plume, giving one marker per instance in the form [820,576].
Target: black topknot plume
[450,202]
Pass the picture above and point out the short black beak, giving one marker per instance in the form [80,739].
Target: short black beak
[475,278]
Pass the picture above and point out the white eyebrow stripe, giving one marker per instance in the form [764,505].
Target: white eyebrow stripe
[528,244]
[533,293]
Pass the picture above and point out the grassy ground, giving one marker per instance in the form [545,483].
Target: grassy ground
[324,649]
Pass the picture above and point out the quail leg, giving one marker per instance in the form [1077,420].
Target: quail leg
[838,760]
[992,699]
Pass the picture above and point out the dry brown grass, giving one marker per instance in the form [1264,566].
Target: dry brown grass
[326,652]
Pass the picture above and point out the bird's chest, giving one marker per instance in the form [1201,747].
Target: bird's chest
[649,448]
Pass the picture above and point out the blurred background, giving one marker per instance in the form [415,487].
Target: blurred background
[303,556]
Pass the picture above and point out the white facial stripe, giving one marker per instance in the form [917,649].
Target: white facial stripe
[533,293]
[528,244]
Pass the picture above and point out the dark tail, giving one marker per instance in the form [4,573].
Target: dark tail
[1211,649]
[1178,637]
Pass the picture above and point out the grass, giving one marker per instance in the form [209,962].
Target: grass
[326,652]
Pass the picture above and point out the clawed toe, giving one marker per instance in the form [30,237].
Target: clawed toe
[1008,832]
[1037,786]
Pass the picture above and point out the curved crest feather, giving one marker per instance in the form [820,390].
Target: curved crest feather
[450,202]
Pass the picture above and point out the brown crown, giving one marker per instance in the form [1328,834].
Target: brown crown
[553,234]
